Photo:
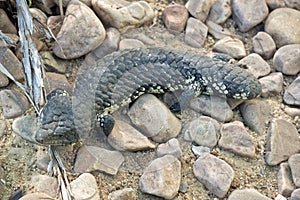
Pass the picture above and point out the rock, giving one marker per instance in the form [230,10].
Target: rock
[284,179]
[247,194]
[85,187]
[214,173]
[247,14]
[264,45]
[199,8]
[126,138]
[198,150]
[291,94]
[230,46]
[55,81]
[154,119]
[294,161]
[81,32]
[55,23]
[124,194]
[256,65]
[122,14]
[91,158]
[175,17]
[38,14]
[212,106]
[293,112]
[204,131]
[256,114]
[217,31]
[235,138]
[287,59]
[45,184]
[86,2]
[11,63]
[36,196]
[296,194]
[3,80]
[2,127]
[272,84]
[282,142]
[110,44]
[283,24]
[130,44]
[195,33]
[51,63]
[6,26]
[172,147]
[13,103]
[25,127]
[162,177]
[220,11]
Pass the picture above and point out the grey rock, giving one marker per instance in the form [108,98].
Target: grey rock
[217,31]
[287,59]
[154,119]
[284,179]
[247,14]
[183,187]
[204,131]
[36,196]
[256,114]
[2,127]
[256,65]
[175,17]
[25,127]
[291,94]
[6,26]
[198,150]
[55,81]
[85,187]
[13,103]
[294,161]
[172,147]
[282,142]
[126,138]
[230,46]
[123,194]
[264,45]
[66,2]
[212,106]
[130,44]
[80,24]
[195,33]
[4,81]
[296,194]
[220,11]
[214,173]
[123,15]
[55,23]
[283,24]
[272,84]
[247,194]
[162,177]
[235,138]
[291,111]
[199,8]
[91,158]
[51,63]
[45,184]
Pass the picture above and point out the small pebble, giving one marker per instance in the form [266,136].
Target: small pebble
[175,17]
[264,45]
[195,33]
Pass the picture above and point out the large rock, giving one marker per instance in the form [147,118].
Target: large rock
[81,32]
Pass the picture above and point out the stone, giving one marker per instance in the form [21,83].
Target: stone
[162,177]
[57,81]
[86,2]
[175,17]
[217,31]
[291,111]
[214,173]
[55,23]
[283,24]
[284,179]
[198,150]
[110,44]
[123,194]
[282,142]
[256,65]
[25,127]
[126,138]
[294,161]
[172,147]
[81,32]
[91,158]
[38,14]
[2,127]
[235,138]
[85,187]
[204,131]
[296,194]
[195,33]
[220,11]
[154,119]
[230,46]
[291,95]
[45,184]
[122,14]
[130,44]
[287,59]
[4,81]
[272,84]
[212,106]
[264,45]
[36,196]
[6,26]
[256,114]
[13,103]
[247,194]
[199,8]
[51,63]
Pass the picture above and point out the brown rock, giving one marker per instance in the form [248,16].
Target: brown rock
[55,24]
[175,17]
[130,44]
[256,65]
[6,26]
[284,179]
[85,187]
[272,84]
[264,45]
[291,94]
[57,81]
[123,194]
[195,33]
[199,8]
[172,147]
[294,161]
[45,184]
